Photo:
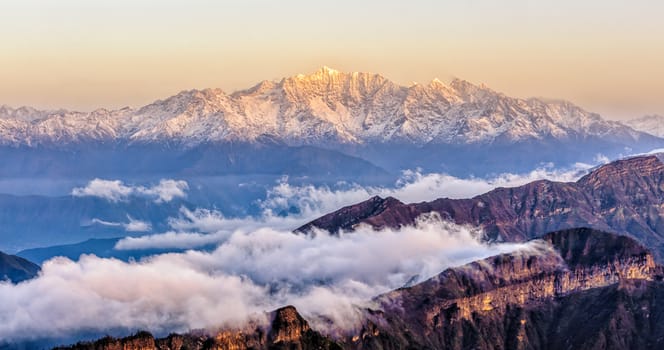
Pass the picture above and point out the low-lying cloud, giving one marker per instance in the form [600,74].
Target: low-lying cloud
[302,204]
[133,225]
[412,187]
[116,191]
[250,272]
[258,264]
[111,190]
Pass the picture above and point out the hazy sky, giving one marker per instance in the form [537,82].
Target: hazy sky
[607,56]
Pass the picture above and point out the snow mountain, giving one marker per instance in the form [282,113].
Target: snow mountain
[651,124]
[458,127]
[327,105]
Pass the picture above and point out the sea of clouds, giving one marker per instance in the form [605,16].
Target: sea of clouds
[326,277]
[258,263]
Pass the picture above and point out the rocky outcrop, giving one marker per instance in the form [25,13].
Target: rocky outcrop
[16,269]
[138,341]
[288,330]
[626,196]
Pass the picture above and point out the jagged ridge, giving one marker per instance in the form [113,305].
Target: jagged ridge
[325,106]
[626,196]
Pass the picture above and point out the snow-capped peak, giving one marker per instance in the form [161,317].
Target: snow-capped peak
[651,124]
[329,71]
[321,107]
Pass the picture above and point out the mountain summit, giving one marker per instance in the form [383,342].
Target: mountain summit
[326,105]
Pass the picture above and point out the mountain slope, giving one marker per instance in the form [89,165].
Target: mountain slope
[626,196]
[119,160]
[577,288]
[16,269]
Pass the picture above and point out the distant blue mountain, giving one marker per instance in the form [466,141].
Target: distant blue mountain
[103,248]
[16,269]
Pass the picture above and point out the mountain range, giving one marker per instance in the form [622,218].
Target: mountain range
[363,115]
[625,196]
[588,272]
[588,275]
[350,108]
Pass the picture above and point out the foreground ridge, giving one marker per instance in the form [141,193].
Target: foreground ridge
[537,297]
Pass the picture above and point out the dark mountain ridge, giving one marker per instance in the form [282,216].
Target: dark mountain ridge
[16,269]
[625,196]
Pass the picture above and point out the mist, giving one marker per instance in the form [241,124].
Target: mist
[116,190]
[250,272]
[288,206]
[258,264]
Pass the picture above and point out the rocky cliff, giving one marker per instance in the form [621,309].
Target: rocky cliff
[473,306]
[625,196]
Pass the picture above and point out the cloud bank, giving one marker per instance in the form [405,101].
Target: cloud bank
[411,187]
[258,264]
[302,204]
[116,191]
[250,272]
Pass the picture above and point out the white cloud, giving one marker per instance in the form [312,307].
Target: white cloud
[249,272]
[654,151]
[116,190]
[137,225]
[258,264]
[132,226]
[113,191]
[313,201]
[601,159]
[181,240]
[166,190]
[211,221]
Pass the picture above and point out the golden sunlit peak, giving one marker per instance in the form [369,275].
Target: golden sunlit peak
[328,70]
[321,73]
[436,81]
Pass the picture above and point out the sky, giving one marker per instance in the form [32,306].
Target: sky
[605,56]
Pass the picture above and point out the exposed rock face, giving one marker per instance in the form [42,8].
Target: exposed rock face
[626,196]
[513,300]
[16,269]
[138,341]
[288,330]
